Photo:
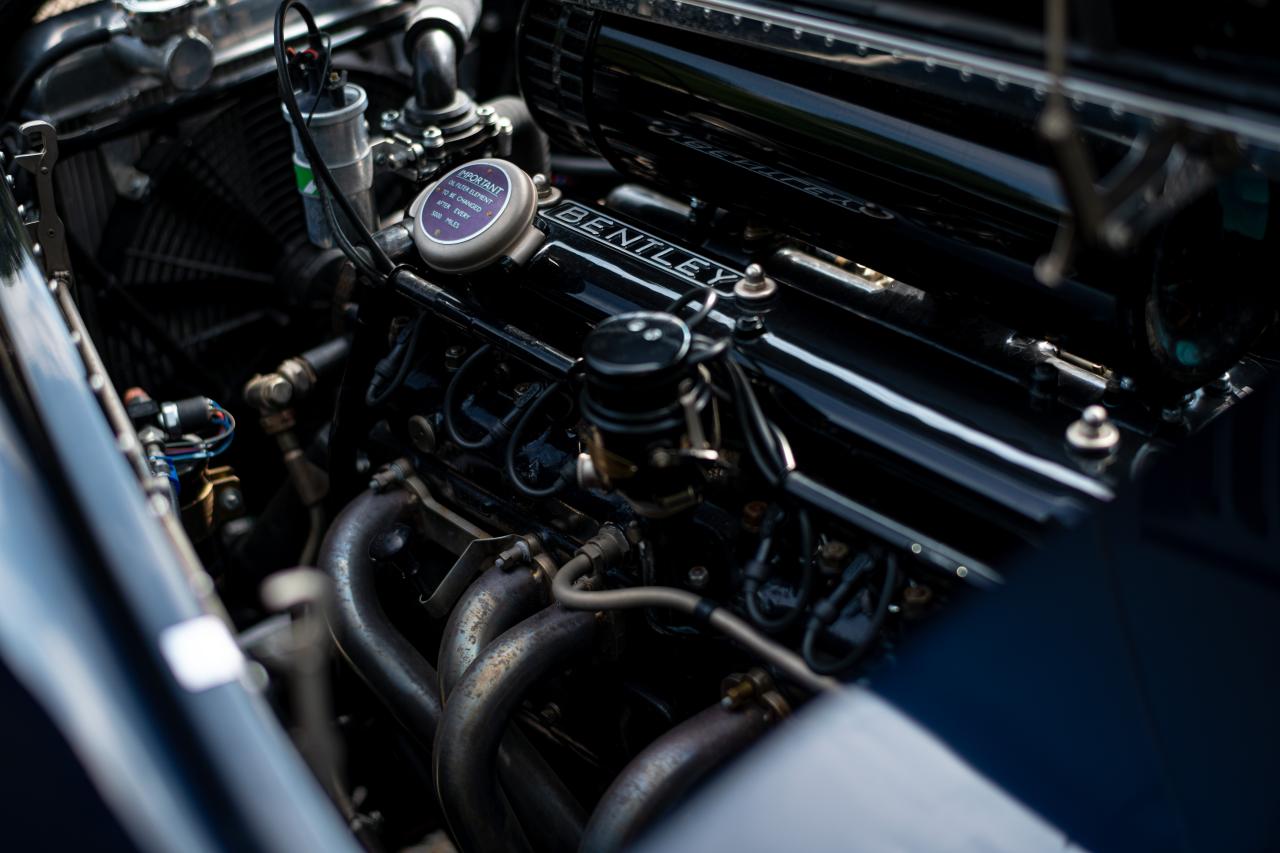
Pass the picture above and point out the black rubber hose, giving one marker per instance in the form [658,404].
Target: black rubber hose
[435,69]
[479,709]
[706,297]
[391,371]
[530,147]
[359,260]
[451,407]
[513,447]
[352,419]
[761,436]
[328,358]
[757,572]
[459,17]
[495,602]
[665,771]
[394,670]
[21,88]
[825,665]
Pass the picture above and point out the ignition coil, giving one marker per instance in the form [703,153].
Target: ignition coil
[334,109]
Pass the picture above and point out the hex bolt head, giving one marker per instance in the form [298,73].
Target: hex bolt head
[279,391]
[833,556]
[230,501]
[699,577]
[753,514]
[453,356]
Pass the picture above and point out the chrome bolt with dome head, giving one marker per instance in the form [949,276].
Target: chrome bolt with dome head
[1093,433]
[698,577]
[755,285]
[548,195]
[278,391]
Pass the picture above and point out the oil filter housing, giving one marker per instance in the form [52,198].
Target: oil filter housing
[475,215]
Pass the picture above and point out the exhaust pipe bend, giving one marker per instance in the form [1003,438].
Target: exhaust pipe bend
[394,670]
[666,770]
[497,600]
[480,706]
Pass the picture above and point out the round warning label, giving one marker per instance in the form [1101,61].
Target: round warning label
[465,203]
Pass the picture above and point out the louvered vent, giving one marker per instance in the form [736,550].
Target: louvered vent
[553,47]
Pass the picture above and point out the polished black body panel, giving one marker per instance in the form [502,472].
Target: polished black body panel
[92,582]
[1118,693]
[1220,53]
[54,779]
[934,437]
[1134,661]
[918,160]
[905,399]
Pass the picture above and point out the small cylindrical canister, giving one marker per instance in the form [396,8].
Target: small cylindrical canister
[342,138]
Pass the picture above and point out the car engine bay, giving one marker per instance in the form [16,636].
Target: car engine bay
[559,396]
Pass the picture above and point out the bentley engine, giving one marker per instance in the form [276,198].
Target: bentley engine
[554,402]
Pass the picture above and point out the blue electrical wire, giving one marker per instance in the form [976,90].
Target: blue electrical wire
[212,447]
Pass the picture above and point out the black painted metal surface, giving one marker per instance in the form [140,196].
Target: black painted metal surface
[919,160]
